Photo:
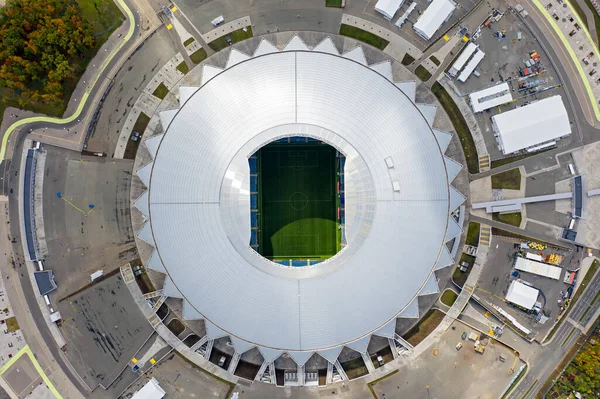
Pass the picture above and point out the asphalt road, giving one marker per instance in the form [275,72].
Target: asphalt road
[11,179]
[545,361]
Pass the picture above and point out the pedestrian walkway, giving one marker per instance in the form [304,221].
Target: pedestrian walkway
[484,163]
[226,28]
[397,48]
[485,235]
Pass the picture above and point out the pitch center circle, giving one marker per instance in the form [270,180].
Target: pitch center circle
[298,201]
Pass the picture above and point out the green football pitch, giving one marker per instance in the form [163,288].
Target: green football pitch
[297,201]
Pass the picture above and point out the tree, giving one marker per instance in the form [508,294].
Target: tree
[41,42]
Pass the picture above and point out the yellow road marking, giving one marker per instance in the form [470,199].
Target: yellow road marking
[86,94]
[76,207]
[573,56]
[27,350]
[169,27]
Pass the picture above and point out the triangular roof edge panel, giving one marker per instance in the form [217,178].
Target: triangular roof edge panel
[384,68]
[166,117]
[155,263]
[235,57]
[170,290]
[141,203]
[189,313]
[270,355]
[452,167]
[456,198]
[296,44]
[408,87]
[265,47]
[300,357]
[388,330]
[360,345]
[411,311]
[153,142]
[240,345]
[453,231]
[209,72]
[428,111]
[145,234]
[431,287]
[144,173]
[443,138]
[212,331]
[327,46]
[332,354]
[185,92]
[444,260]
[357,54]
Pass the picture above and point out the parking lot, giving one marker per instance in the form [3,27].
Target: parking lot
[445,372]
[103,329]
[496,277]
[504,59]
[82,240]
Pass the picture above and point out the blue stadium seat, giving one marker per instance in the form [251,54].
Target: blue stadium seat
[315,262]
[284,262]
[311,140]
[283,140]
[253,201]
[296,139]
[253,219]
[299,263]
[253,183]
[253,237]
[252,163]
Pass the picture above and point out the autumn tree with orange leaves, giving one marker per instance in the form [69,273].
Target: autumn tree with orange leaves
[40,44]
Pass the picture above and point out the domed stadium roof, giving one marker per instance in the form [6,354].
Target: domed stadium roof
[398,200]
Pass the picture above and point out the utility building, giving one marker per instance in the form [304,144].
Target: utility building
[491,97]
[532,127]
[388,8]
[434,16]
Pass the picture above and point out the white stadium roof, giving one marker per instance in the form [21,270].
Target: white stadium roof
[533,124]
[490,97]
[434,16]
[522,295]
[199,200]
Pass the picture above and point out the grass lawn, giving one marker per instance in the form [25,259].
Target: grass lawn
[161,91]
[596,16]
[297,201]
[473,234]
[514,218]
[434,59]
[460,125]
[363,36]
[460,278]
[333,3]
[355,368]
[408,59]
[236,36]
[448,297]
[511,180]
[422,73]
[198,56]
[189,41]
[425,327]
[505,161]
[183,67]
[11,324]
[132,146]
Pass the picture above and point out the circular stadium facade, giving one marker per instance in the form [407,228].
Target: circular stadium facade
[393,205]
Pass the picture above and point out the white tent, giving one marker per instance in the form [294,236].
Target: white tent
[539,268]
[388,8]
[436,14]
[464,75]
[532,125]
[490,97]
[462,59]
[150,391]
[522,295]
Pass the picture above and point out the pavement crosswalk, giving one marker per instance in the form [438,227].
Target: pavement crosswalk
[485,235]
[484,163]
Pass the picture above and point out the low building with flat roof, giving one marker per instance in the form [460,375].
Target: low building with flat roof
[533,125]
[388,8]
[434,16]
[522,295]
[462,59]
[491,97]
